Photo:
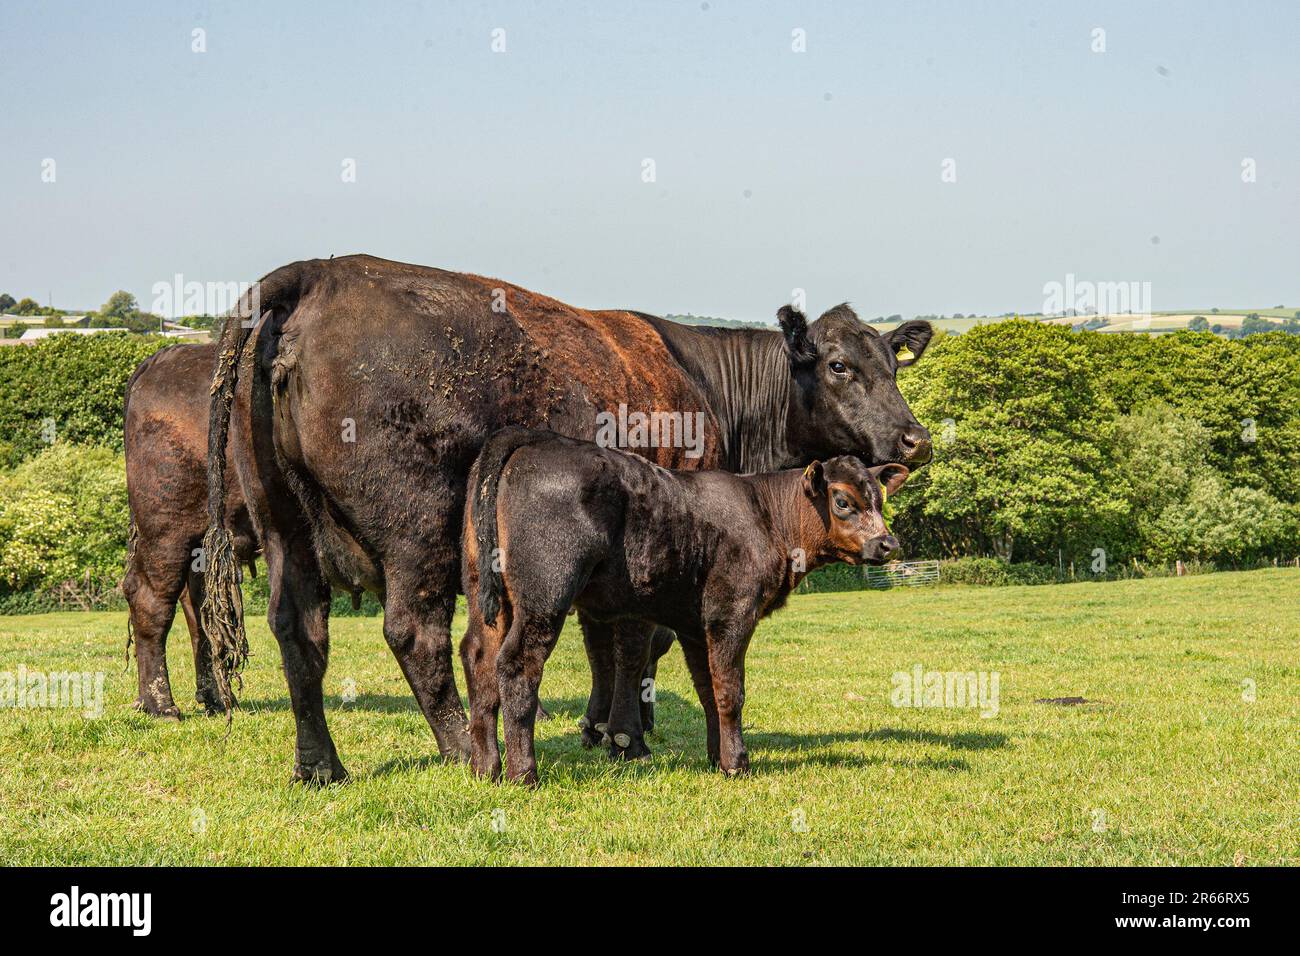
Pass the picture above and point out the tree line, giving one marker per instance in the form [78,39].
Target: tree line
[1056,446]
[1051,445]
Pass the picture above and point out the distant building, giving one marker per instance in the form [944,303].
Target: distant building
[188,335]
[32,335]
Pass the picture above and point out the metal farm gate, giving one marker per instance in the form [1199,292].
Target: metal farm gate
[901,573]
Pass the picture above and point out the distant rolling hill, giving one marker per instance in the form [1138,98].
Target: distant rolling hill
[1228,321]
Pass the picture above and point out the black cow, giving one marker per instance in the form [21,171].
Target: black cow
[555,523]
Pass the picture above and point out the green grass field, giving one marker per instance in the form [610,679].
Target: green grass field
[1170,762]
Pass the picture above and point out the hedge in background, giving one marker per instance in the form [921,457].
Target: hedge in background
[75,382]
[1051,444]
[63,518]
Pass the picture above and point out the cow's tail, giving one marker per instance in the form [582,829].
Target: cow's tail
[483,515]
[274,297]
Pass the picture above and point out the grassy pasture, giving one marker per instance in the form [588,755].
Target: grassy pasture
[1168,763]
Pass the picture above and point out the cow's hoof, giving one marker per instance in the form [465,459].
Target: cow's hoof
[488,769]
[524,778]
[457,755]
[320,774]
[167,711]
[209,700]
[593,735]
[739,767]
[627,747]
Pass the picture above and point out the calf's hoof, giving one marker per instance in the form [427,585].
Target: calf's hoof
[542,712]
[594,736]
[627,747]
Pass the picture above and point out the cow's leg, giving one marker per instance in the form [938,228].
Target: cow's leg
[519,665]
[419,633]
[631,654]
[660,642]
[151,594]
[205,684]
[598,639]
[696,652]
[726,649]
[298,613]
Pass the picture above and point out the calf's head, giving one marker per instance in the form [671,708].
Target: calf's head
[849,498]
[845,399]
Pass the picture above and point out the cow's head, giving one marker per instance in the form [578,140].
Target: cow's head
[845,399]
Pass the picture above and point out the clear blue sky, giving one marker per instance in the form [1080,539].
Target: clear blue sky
[775,169]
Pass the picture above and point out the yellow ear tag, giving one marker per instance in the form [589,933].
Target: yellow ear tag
[807,472]
[905,354]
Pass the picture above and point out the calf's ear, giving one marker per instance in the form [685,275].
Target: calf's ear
[909,340]
[891,477]
[814,480]
[794,326]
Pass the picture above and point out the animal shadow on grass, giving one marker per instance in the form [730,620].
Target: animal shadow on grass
[559,746]
[375,703]
[809,749]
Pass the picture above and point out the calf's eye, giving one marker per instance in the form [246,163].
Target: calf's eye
[841,503]
[839,368]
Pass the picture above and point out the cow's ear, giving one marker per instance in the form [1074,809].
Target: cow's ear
[814,480]
[794,326]
[891,477]
[909,340]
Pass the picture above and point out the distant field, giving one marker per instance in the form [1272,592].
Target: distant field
[1167,763]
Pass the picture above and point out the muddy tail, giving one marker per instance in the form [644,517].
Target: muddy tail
[273,298]
[491,462]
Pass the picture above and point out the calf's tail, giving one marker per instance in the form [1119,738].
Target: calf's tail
[483,515]
[274,297]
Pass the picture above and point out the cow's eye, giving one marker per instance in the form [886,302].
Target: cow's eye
[841,503]
[839,368]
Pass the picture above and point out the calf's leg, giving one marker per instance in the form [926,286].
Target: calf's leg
[727,646]
[519,665]
[631,655]
[660,642]
[478,650]
[598,639]
[696,652]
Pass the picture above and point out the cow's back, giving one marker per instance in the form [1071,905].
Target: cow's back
[389,377]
